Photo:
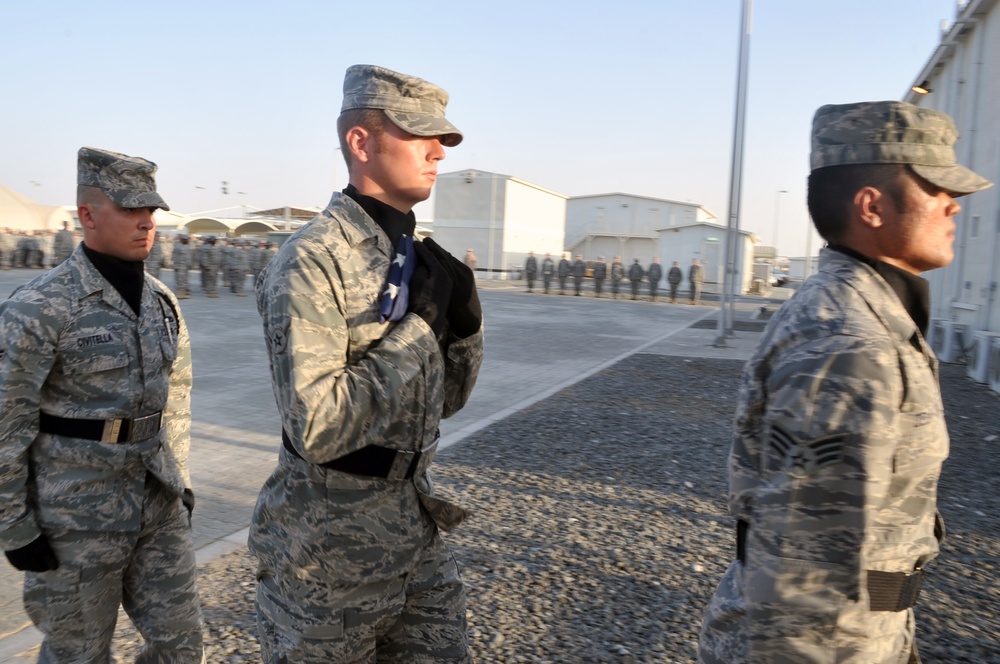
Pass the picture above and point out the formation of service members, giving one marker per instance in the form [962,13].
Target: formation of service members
[601,271]
[839,432]
[374,336]
[95,382]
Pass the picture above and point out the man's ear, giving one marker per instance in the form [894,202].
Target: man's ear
[360,143]
[868,203]
[86,216]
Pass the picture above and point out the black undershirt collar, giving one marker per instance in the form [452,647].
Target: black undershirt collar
[388,218]
[913,291]
[127,277]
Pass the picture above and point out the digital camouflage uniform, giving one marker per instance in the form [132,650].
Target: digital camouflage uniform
[63,244]
[617,274]
[154,263]
[239,265]
[182,269]
[579,271]
[840,436]
[548,269]
[696,277]
[210,257]
[654,274]
[352,567]
[71,347]
[335,549]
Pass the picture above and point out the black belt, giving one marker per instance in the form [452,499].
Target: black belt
[123,430]
[372,461]
[887,591]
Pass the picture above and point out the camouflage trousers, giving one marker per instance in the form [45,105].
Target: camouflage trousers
[210,282]
[695,293]
[182,285]
[790,634]
[418,618]
[151,573]
[237,281]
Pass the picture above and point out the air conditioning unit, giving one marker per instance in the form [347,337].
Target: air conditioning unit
[978,355]
[993,365]
[950,341]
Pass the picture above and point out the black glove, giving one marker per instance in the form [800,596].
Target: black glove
[37,556]
[188,499]
[430,290]
[465,314]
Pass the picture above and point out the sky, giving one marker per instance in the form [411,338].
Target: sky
[579,97]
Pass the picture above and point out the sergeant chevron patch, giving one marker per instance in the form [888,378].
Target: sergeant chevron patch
[802,458]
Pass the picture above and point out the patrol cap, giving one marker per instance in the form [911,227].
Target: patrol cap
[413,104]
[127,181]
[892,132]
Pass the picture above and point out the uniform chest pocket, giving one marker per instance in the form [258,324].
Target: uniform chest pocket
[96,358]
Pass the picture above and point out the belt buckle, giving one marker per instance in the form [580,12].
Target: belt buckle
[400,465]
[112,428]
[144,428]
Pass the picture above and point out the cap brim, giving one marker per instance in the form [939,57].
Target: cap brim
[956,180]
[421,124]
[137,199]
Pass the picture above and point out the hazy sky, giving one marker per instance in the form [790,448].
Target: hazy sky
[578,97]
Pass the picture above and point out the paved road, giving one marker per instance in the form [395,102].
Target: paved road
[536,344]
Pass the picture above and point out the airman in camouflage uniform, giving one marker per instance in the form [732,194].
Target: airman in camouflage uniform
[548,270]
[674,278]
[63,243]
[696,277]
[154,263]
[531,270]
[182,267]
[210,260]
[840,432]
[95,383]
[366,360]
[600,274]
[635,275]
[617,274]
[565,267]
[239,265]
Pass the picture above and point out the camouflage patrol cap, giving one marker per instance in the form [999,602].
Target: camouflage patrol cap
[413,104]
[127,181]
[892,132]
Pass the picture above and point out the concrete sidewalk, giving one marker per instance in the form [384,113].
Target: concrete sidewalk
[536,346]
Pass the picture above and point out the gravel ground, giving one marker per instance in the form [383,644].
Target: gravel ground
[600,526]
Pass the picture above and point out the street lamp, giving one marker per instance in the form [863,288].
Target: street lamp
[777,202]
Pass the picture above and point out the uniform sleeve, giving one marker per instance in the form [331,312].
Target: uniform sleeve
[177,412]
[331,406]
[27,354]
[461,369]
[826,451]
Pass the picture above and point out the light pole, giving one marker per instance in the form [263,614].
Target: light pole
[777,210]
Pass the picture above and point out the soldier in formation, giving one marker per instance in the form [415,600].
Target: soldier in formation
[239,265]
[563,273]
[600,274]
[346,530]
[210,262]
[531,270]
[62,245]
[8,241]
[579,271]
[548,271]
[617,275]
[635,275]
[154,263]
[840,431]
[654,274]
[696,276]
[94,433]
[182,267]
[674,278]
